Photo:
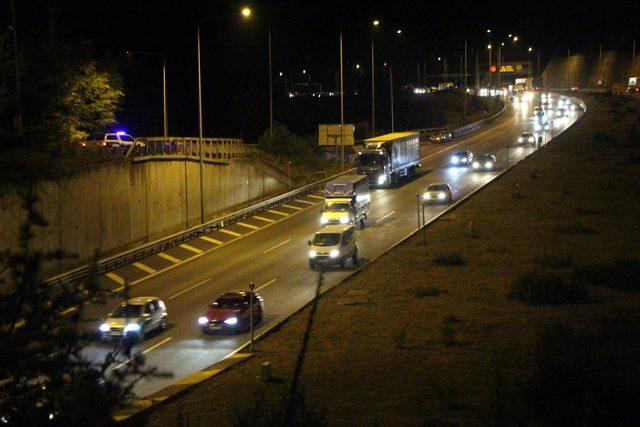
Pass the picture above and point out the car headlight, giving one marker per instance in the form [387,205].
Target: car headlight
[324,220]
[344,219]
[104,327]
[231,321]
[426,196]
[132,327]
[334,253]
[520,139]
[312,254]
[537,127]
[382,179]
[531,139]
[441,196]
[202,320]
[488,165]
[455,160]
[476,165]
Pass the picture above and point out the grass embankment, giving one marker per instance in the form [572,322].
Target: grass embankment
[475,328]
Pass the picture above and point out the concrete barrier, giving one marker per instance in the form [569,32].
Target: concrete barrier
[116,205]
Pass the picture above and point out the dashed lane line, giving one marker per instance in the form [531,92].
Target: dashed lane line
[266,284]
[143,267]
[305,202]
[164,341]
[278,212]
[385,217]
[210,240]
[169,257]
[293,207]
[188,289]
[245,225]
[263,219]
[276,246]
[191,248]
[314,196]
[231,233]
[113,276]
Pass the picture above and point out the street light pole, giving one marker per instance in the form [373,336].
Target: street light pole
[489,50]
[465,78]
[391,92]
[373,90]
[16,55]
[270,87]
[200,131]
[341,107]
[165,119]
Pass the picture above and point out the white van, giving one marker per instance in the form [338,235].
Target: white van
[334,245]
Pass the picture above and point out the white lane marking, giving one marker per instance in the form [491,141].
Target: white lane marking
[164,341]
[188,289]
[278,212]
[144,267]
[276,246]
[210,240]
[245,225]
[191,248]
[113,276]
[266,284]
[263,219]
[385,217]
[229,232]
[305,202]
[381,194]
[314,196]
[168,257]
[292,207]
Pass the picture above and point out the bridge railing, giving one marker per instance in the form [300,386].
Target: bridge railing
[212,148]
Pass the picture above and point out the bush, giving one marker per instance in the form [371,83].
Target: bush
[586,378]
[576,228]
[550,260]
[453,258]
[622,274]
[538,288]
[286,144]
[425,291]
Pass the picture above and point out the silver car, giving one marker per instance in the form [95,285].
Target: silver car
[437,193]
[135,317]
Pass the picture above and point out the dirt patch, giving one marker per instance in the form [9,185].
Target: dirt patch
[410,341]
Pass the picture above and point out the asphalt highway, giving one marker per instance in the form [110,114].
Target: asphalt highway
[271,251]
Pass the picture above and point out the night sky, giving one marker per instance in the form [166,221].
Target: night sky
[305,36]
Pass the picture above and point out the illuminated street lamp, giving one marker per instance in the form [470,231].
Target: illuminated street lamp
[245,13]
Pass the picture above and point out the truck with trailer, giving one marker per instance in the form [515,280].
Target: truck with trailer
[387,158]
[347,200]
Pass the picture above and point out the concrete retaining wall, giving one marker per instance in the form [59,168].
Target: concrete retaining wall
[113,206]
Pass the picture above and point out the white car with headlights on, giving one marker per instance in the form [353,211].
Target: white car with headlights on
[333,245]
[437,193]
[135,317]
[485,162]
[527,138]
[462,158]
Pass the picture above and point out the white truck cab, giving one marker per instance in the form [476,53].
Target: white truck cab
[347,200]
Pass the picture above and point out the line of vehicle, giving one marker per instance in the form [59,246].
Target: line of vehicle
[188,289]
[276,246]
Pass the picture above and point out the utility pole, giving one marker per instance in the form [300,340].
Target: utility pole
[489,49]
[633,55]
[465,78]
[200,131]
[164,96]
[17,68]
[477,74]
[600,55]
[568,74]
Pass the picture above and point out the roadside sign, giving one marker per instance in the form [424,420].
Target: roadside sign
[329,135]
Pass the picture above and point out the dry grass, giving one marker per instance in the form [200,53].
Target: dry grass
[462,357]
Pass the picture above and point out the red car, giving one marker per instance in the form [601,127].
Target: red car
[230,312]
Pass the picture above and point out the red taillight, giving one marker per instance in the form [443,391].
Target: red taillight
[84,144]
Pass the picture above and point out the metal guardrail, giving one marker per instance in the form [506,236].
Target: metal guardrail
[128,257]
[212,148]
[125,258]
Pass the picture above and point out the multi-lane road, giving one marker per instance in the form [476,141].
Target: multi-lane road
[270,250]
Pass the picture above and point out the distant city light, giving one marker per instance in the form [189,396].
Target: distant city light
[357,66]
[489,46]
[530,49]
[246,12]
[280,73]
[376,22]
[488,31]
[304,71]
[399,32]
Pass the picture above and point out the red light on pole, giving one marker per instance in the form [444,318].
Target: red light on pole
[493,69]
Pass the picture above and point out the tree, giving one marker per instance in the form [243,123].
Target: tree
[45,375]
